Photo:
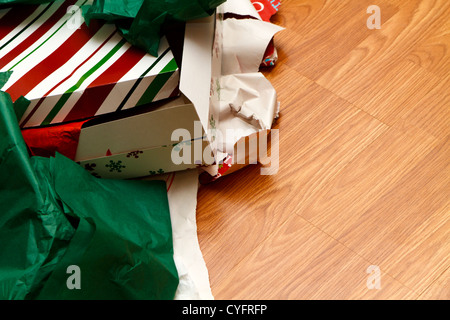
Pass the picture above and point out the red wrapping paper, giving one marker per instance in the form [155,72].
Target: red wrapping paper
[266,8]
[46,141]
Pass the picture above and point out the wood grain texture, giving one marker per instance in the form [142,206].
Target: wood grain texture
[364,162]
[438,290]
[309,264]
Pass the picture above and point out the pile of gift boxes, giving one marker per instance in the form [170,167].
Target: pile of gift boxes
[87,93]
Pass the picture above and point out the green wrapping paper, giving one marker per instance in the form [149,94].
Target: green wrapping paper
[54,214]
[142,22]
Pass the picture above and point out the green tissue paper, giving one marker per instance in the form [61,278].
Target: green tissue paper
[68,235]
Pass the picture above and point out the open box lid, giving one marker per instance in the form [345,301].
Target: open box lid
[195,78]
[202,69]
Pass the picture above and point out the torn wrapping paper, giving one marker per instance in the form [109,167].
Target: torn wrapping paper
[245,43]
[256,9]
[270,56]
[266,9]
[55,216]
[142,22]
[248,104]
[69,71]
[244,9]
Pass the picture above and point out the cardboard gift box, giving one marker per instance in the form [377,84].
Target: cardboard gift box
[139,141]
[69,71]
[142,142]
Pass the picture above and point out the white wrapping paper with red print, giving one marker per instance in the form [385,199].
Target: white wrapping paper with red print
[70,71]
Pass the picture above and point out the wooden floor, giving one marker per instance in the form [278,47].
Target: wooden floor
[364,162]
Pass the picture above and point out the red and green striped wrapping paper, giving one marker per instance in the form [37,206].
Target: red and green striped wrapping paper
[69,71]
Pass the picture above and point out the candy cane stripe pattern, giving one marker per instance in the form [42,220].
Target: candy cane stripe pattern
[69,71]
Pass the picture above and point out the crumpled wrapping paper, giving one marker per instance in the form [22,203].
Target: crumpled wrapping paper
[54,214]
[244,44]
[249,104]
[248,101]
